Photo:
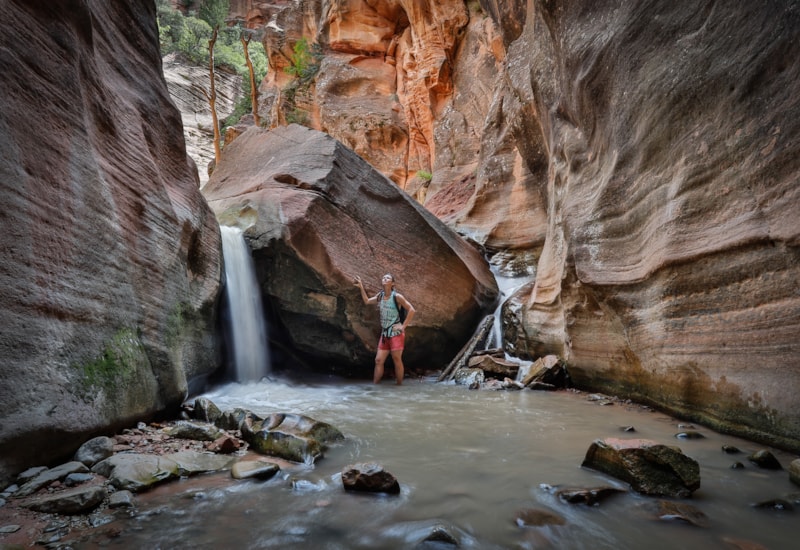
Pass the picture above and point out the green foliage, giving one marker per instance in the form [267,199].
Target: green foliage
[189,36]
[425,175]
[305,60]
[214,12]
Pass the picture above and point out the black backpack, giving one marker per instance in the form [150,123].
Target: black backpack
[401,311]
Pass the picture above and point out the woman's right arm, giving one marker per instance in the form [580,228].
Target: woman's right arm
[364,297]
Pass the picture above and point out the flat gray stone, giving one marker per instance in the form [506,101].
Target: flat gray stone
[136,472]
[95,450]
[120,499]
[71,501]
[8,529]
[49,476]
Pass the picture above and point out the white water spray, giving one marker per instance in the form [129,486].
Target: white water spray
[247,327]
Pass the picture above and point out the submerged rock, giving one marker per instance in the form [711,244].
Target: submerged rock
[666,510]
[369,477]
[649,467]
[440,535]
[591,496]
[778,504]
[536,517]
[690,434]
[765,459]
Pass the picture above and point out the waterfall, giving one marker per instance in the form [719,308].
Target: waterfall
[507,286]
[247,328]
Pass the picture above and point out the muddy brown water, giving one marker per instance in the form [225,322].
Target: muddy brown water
[466,460]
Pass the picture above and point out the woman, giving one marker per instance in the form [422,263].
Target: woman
[393,329]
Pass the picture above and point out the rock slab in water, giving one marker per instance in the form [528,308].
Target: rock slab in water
[536,517]
[138,472]
[246,469]
[369,477]
[293,437]
[649,467]
[666,510]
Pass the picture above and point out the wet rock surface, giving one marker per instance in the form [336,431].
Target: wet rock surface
[765,459]
[369,477]
[649,467]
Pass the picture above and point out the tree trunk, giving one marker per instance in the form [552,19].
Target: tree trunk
[212,98]
[253,88]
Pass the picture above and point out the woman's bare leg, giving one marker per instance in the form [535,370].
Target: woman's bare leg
[399,370]
[380,359]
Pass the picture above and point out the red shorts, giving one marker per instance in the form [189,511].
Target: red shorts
[392,343]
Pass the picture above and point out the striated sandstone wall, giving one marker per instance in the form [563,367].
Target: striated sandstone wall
[110,268]
[663,140]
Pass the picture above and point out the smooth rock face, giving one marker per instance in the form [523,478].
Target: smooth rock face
[316,215]
[110,269]
[663,142]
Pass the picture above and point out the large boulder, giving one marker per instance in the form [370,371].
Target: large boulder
[111,258]
[316,215]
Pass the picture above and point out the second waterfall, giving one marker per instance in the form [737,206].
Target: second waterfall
[247,329]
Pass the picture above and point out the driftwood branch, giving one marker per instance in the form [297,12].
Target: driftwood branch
[460,360]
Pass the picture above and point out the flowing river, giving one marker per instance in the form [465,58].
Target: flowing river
[466,460]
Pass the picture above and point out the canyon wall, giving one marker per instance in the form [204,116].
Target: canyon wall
[110,256]
[640,157]
[665,141]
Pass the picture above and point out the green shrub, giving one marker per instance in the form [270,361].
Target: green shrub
[425,175]
[305,60]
